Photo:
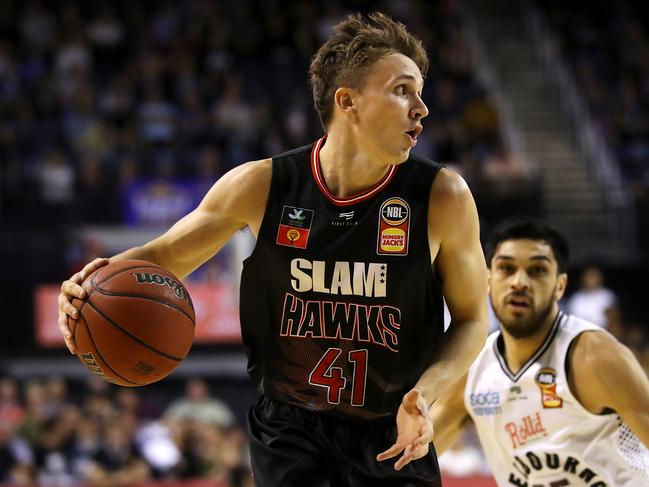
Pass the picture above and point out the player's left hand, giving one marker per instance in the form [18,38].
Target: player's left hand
[414,431]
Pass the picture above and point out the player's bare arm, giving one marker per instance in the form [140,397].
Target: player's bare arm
[605,376]
[236,200]
[454,239]
[449,416]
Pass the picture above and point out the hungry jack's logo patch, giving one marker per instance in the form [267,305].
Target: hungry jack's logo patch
[394,227]
[546,379]
[294,227]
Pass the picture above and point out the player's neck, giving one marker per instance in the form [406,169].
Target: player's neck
[347,168]
[518,351]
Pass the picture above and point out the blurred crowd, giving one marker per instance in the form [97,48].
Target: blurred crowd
[113,436]
[96,95]
[606,45]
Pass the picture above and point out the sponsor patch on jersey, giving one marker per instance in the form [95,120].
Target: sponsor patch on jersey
[526,429]
[516,394]
[394,227]
[546,379]
[485,403]
[344,219]
[294,227]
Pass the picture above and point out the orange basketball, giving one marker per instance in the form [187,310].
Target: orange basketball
[136,325]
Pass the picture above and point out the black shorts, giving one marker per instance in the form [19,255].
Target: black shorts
[293,447]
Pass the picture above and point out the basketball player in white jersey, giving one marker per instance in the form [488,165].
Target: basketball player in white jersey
[556,400]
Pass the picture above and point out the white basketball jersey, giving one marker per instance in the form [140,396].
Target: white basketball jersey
[534,431]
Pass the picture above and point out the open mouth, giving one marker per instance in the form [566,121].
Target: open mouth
[412,134]
[518,303]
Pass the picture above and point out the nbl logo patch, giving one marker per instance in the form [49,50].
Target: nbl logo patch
[546,379]
[294,227]
[394,227]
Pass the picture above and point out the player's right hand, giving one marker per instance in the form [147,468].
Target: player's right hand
[70,289]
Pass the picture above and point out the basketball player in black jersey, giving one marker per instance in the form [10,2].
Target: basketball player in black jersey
[341,299]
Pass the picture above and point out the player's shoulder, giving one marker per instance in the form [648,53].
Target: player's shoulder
[590,345]
[248,181]
[449,185]
[423,162]
[451,200]
[242,192]
[571,324]
[251,174]
[297,153]
[594,344]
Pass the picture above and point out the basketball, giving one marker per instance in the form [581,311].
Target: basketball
[136,325]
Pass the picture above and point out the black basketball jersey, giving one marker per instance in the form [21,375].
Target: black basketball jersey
[340,309]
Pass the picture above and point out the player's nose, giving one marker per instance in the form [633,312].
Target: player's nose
[419,110]
[520,280]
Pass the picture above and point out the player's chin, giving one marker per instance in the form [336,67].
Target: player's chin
[402,156]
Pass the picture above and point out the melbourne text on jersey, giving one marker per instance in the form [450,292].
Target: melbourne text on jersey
[342,320]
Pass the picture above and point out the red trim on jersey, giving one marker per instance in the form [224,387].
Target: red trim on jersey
[349,200]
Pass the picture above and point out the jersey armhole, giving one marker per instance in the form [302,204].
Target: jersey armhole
[568,372]
[266,210]
[434,269]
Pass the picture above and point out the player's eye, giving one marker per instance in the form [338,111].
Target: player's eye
[538,271]
[400,90]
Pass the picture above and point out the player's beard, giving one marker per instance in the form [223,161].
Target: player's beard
[525,327]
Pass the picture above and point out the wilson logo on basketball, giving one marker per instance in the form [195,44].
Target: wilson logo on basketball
[178,289]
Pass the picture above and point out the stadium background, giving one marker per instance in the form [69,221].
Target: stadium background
[115,117]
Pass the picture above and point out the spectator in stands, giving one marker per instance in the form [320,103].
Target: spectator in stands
[11,410]
[97,404]
[56,177]
[118,462]
[85,445]
[212,452]
[16,457]
[36,412]
[197,406]
[56,395]
[52,454]
[141,406]
[160,450]
[592,301]
[482,123]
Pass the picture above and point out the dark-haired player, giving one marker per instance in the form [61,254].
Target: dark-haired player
[341,299]
[556,400]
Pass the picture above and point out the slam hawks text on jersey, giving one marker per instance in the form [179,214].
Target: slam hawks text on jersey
[340,309]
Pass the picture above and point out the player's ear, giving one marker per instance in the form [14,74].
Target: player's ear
[344,100]
[562,282]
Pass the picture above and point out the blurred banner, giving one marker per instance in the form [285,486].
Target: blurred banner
[161,202]
[216,306]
